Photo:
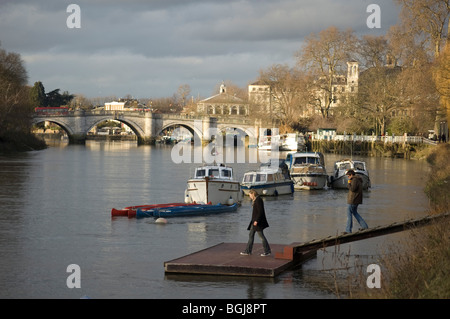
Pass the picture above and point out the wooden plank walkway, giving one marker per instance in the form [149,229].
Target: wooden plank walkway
[359,235]
[225,258]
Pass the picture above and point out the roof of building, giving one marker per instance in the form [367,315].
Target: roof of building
[223,98]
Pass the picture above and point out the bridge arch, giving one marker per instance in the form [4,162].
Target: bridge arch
[196,132]
[61,124]
[132,125]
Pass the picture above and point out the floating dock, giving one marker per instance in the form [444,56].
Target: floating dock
[225,258]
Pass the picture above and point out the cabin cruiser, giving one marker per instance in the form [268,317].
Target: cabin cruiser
[292,142]
[213,184]
[282,142]
[270,179]
[340,179]
[307,170]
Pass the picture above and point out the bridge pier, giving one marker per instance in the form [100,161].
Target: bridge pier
[77,139]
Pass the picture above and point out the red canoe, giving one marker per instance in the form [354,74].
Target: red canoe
[130,211]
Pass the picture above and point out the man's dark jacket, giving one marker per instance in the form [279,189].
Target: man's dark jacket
[355,191]
[258,215]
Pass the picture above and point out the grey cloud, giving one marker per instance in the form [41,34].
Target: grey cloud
[163,43]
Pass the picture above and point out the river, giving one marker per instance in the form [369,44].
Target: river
[55,211]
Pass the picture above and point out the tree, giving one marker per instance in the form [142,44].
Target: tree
[14,99]
[378,96]
[325,56]
[37,95]
[56,99]
[182,94]
[426,18]
[287,89]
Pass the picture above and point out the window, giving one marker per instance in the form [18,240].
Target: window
[200,173]
[214,172]
[226,173]
[270,178]
[261,177]
[248,178]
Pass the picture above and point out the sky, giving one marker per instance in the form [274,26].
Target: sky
[149,48]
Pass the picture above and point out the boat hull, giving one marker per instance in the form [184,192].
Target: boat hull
[188,210]
[213,191]
[308,182]
[270,189]
[341,182]
[130,211]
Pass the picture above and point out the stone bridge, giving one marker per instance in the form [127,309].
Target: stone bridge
[148,126]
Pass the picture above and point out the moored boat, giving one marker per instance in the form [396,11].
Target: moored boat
[268,180]
[307,170]
[130,211]
[292,142]
[340,180]
[187,210]
[213,184]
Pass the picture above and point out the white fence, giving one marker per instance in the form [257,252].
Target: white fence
[373,138]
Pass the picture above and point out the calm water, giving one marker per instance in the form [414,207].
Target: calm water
[55,210]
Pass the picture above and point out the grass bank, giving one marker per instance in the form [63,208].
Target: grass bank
[420,267]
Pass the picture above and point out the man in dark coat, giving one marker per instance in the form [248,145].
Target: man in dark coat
[354,198]
[257,224]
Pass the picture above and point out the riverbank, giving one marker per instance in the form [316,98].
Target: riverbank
[363,148]
[20,142]
[421,269]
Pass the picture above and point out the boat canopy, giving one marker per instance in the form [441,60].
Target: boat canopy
[305,158]
[222,172]
[346,165]
[262,176]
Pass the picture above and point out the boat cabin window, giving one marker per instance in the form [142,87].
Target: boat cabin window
[359,166]
[226,173]
[345,166]
[214,173]
[200,173]
[306,160]
[269,177]
[260,177]
[248,178]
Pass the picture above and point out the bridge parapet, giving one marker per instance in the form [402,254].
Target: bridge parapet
[146,125]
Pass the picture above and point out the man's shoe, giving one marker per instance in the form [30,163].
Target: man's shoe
[244,253]
[265,254]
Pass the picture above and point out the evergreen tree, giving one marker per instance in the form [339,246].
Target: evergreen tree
[37,95]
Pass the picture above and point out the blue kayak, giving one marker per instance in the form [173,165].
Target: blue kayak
[178,211]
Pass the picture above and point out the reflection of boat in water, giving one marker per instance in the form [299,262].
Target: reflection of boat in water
[307,170]
[270,179]
[213,184]
[186,210]
[340,179]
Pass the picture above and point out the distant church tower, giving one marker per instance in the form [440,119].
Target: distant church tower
[223,88]
[352,76]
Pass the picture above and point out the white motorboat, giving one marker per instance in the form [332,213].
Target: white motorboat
[307,170]
[213,184]
[265,143]
[340,179]
[282,142]
[292,142]
[268,180]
